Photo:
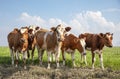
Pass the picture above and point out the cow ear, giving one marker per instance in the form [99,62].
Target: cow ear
[68,29]
[53,28]
[112,34]
[76,40]
[16,29]
[101,35]
[82,36]
[37,28]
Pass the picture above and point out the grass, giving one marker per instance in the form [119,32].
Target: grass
[111,58]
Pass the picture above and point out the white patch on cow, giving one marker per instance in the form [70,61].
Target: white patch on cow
[45,43]
[67,33]
[22,30]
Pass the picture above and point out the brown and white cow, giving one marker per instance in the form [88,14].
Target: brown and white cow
[31,39]
[70,44]
[51,41]
[96,42]
[18,42]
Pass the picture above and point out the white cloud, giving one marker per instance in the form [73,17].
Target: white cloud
[55,21]
[89,21]
[112,10]
[31,20]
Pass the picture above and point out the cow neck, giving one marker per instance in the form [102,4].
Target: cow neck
[54,37]
[101,44]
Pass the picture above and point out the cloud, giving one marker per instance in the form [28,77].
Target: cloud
[89,21]
[112,10]
[31,20]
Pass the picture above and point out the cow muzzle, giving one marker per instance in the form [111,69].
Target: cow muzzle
[60,39]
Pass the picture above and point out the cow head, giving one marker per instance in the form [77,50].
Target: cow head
[31,32]
[24,34]
[60,32]
[107,38]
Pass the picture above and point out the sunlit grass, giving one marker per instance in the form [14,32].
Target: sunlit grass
[111,58]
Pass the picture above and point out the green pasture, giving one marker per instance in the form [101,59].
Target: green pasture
[111,58]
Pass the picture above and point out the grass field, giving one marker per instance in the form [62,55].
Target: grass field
[111,58]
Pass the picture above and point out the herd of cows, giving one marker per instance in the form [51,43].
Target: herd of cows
[55,41]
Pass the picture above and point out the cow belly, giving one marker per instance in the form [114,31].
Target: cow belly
[69,51]
[88,48]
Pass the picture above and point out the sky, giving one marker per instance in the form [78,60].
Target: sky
[93,16]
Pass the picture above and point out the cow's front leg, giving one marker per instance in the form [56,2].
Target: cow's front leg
[49,59]
[12,56]
[63,56]
[101,61]
[16,58]
[24,59]
[93,59]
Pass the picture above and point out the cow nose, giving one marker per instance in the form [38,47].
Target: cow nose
[110,46]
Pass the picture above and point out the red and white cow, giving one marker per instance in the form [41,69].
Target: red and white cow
[70,44]
[96,42]
[18,42]
[51,41]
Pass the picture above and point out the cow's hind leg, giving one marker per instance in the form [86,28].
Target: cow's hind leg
[40,55]
[49,59]
[73,58]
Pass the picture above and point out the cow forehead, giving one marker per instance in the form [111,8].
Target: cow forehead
[60,28]
[109,36]
[23,30]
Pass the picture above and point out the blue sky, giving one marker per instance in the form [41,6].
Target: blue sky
[82,15]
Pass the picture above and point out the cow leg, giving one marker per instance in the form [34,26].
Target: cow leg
[84,56]
[101,61]
[40,55]
[24,58]
[16,58]
[53,56]
[73,58]
[12,56]
[28,53]
[49,59]
[32,53]
[63,56]
[93,60]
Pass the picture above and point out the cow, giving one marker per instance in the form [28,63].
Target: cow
[18,42]
[51,41]
[96,42]
[31,39]
[70,44]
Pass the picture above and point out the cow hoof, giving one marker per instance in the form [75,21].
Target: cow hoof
[48,67]
[25,67]
[16,66]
